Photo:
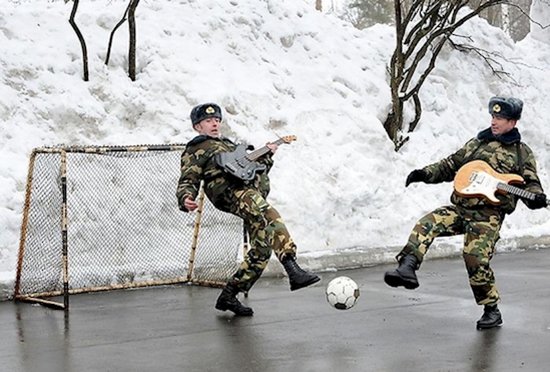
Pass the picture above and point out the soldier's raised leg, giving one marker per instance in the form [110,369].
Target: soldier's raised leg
[267,233]
[443,221]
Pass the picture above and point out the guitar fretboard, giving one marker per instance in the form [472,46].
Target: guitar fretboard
[516,191]
[262,151]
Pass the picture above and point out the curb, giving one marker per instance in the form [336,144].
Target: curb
[362,257]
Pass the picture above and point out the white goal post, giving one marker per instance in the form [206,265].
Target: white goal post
[106,217]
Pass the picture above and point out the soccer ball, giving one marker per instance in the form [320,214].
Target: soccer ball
[342,293]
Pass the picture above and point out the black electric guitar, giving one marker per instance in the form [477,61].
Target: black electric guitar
[242,164]
[478,179]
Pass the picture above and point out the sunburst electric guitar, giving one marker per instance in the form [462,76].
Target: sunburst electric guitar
[478,179]
[242,164]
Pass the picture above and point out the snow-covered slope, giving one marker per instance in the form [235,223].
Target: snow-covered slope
[277,68]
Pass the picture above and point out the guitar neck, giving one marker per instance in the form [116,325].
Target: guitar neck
[262,151]
[516,191]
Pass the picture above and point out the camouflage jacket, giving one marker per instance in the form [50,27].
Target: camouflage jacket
[197,163]
[505,154]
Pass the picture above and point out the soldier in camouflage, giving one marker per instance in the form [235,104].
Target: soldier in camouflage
[248,201]
[480,221]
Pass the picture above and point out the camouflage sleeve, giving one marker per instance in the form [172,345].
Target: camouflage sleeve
[532,181]
[445,169]
[192,164]
[267,160]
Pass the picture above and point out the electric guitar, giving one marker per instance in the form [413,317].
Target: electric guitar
[242,164]
[478,179]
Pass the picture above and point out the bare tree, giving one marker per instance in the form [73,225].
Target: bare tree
[319,5]
[520,24]
[80,38]
[512,17]
[130,14]
[132,49]
[365,13]
[422,29]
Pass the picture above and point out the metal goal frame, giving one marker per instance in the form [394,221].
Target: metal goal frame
[197,241]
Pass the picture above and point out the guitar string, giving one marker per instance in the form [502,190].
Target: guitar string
[516,190]
[261,151]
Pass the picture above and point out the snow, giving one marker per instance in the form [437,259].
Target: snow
[276,68]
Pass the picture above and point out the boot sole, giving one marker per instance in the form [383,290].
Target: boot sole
[308,283]
[397,281]
[224,308]
[489,326]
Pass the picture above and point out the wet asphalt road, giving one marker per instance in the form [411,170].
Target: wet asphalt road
[177,329]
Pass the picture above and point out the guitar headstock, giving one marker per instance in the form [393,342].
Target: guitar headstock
[288,139]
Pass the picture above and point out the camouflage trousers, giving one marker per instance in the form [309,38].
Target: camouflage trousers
[267,232]
[481,232]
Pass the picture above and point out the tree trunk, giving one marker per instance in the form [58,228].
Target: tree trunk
[394,121]
[132,49]
[81,39]
[505,15]
[319,5]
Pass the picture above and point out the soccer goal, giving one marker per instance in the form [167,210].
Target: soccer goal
[101,218]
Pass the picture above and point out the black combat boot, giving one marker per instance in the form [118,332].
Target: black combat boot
[298,277]
[228,301]
[405,274]
[491,317]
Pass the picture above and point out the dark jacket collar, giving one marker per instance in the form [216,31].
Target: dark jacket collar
[507,138]
[203,137]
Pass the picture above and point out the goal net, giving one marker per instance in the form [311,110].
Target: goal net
[100,218]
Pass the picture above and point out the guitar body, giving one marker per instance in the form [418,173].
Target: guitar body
[243,165]
[478,179]
[237,163]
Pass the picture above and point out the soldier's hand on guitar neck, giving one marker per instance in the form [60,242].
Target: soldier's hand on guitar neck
[272,146]
[540,201]
[417,175]
[190,204]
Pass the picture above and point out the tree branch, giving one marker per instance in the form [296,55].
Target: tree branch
[427,71]
[488,57]
[113,34]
